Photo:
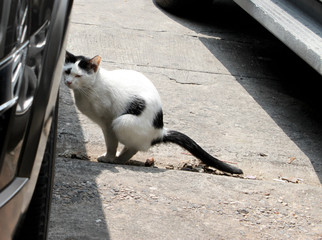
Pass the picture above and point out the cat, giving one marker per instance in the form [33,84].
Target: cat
[127,107]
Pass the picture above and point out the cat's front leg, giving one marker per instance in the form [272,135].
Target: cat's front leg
[111,143]
[106,158]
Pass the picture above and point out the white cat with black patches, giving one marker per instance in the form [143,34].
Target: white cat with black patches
[127,106]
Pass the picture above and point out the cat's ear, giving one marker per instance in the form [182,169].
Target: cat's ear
[95,62]
[69,58]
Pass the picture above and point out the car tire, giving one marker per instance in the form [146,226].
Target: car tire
[36,221]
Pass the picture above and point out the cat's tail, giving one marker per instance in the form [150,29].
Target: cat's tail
[190,145]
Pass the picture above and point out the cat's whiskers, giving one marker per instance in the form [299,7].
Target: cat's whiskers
[88,93]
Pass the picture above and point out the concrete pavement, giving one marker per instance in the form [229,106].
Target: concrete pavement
[230,86]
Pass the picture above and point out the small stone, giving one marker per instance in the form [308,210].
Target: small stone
[170,166]
[242,211]
[149,162]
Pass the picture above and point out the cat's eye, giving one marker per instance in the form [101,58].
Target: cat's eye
[67,71]
[78,76]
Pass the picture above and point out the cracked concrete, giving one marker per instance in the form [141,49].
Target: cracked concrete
[226,83]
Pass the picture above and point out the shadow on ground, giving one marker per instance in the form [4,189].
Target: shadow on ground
[281,83]
[78,199]
[74,189]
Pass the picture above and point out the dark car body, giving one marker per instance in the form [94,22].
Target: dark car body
[32,42]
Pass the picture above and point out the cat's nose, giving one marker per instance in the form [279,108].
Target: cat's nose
[68,83]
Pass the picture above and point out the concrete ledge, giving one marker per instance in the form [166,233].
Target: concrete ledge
[294,27]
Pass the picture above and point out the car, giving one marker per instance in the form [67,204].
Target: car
[32,52]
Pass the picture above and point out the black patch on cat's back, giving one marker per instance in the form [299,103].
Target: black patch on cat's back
[136,106]
[158,120]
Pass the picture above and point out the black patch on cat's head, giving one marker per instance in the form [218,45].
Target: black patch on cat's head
[67,71]
[158,120]
[136,106]
[70,58]
[85,65]
[88,65]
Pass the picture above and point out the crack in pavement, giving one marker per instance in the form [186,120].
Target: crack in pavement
[216,35]
[187,83]
[240,76]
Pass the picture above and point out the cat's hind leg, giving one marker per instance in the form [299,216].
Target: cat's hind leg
[125,155]
[134,132]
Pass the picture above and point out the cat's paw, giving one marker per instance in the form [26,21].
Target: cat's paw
[106,159]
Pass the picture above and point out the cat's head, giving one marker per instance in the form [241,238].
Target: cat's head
[79,71]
